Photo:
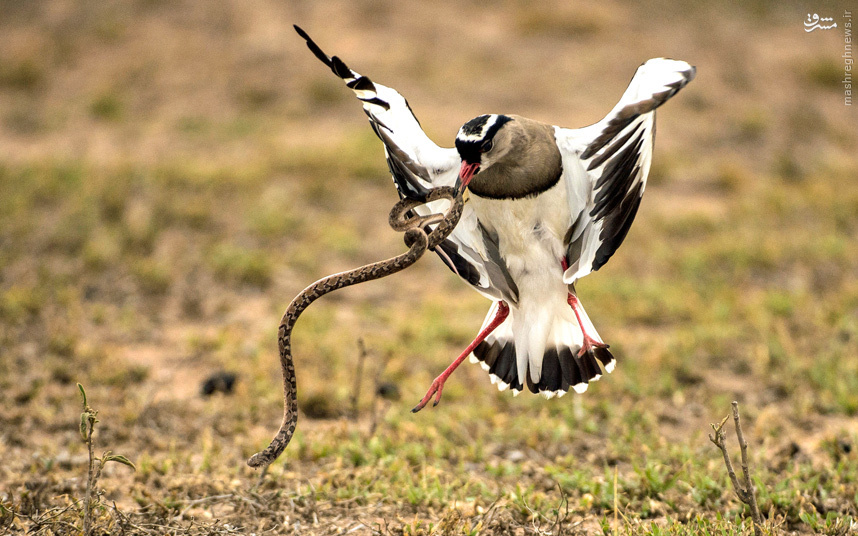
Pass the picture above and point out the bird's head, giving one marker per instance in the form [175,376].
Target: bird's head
[480,145]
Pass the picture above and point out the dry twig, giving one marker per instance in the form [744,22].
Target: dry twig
[377,396]
[746,492]
[362,354]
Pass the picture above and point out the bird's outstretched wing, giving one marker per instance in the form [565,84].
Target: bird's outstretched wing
[418,164]
[606,166]
[415,161]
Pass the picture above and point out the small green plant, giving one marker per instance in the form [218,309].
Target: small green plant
[107,107]
[832,523]
[87,426]
[234,263]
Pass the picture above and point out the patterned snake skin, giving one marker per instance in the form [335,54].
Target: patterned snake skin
[418,241]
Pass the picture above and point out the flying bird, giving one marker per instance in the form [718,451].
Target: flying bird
[544,207]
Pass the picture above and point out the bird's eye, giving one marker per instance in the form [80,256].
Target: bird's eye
[487,146]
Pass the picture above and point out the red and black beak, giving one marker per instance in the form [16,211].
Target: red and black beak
[466,173]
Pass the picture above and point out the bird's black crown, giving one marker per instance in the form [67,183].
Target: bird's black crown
[476,133]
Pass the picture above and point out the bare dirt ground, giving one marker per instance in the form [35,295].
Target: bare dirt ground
[173,173]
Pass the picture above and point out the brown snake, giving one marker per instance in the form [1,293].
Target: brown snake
[417,240]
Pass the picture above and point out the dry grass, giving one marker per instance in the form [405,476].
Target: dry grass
[172,174]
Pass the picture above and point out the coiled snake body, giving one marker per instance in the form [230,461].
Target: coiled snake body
[418,241]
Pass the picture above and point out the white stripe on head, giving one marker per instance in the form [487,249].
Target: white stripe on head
[476,129]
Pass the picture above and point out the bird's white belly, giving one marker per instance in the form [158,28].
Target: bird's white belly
[530,239]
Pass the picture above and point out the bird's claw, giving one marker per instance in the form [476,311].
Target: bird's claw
[434,389]
[589,344]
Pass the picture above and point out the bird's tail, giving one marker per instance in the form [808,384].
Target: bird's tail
[517,354]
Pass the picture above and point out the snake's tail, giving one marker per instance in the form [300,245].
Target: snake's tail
[284,435]
[277,445]
[290,387]
[267,456]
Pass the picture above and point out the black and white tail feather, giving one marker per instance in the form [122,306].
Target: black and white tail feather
[605,167]
[562,368]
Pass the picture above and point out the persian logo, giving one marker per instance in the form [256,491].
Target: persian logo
[814,22]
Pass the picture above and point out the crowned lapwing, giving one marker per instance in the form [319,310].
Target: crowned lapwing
[545,206]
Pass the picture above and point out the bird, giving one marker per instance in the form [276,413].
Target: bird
[544,206]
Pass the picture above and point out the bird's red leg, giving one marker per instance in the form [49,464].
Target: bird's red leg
[589,341]
[438,385]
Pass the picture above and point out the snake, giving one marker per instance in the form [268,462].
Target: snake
[418,238]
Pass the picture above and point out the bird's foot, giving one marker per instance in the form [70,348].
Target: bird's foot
[589,344]
[435,389]
[438,384]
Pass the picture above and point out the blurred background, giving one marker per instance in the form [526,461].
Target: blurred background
[173,173]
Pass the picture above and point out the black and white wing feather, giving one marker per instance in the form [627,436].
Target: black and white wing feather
[606,166]
[415,161]
[418,164]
